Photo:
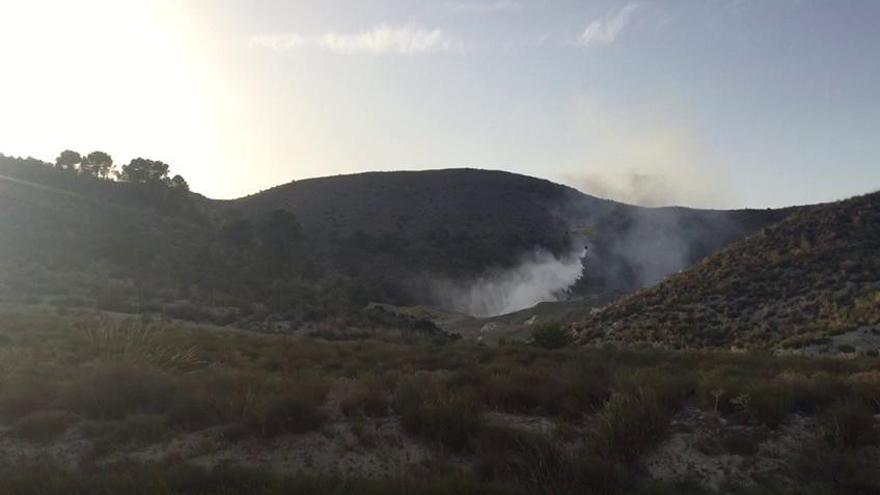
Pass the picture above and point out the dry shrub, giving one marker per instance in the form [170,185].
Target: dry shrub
[429,409]
[769,403]
[628,425]
[866,386]
[115,389]
[253,403]
[533,462]
[638,413]
[43,426]
[24,393]
[569,390]
[366,396]
[848,423]
[516,391]
[812,393]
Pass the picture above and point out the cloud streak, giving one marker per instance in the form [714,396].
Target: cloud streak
[484,6]
[401,40]
[604,31]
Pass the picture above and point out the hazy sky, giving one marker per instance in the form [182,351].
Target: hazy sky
[722,103]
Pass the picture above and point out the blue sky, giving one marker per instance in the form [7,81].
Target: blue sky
[715,103]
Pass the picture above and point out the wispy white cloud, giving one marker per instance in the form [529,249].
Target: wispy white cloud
[402,40]
[484,6]
[605,30]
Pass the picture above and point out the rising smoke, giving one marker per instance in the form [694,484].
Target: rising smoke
[538,277]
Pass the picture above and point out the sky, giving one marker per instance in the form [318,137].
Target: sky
[709,103]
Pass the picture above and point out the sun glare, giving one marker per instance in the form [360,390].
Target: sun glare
[102,74]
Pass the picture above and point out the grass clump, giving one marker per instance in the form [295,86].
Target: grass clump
[134,341]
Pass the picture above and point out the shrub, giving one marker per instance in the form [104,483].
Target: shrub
[430,410]
[575,388]
[225,479]
[138,429]
[22,394]
[866,386]
[667,386]
[43,426]
[848,423]
[517,391]
[740,443]
[552,336]
[289,413]
[367,397]
[835,471]
[533,461]
[253,403]
[114,390]
[628,425]
[811,394]
[769,403]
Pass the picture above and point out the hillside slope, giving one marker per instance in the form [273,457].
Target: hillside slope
[454,222]
[315,249]
[814,274]
[463,223]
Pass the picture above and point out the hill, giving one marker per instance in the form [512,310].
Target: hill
[467,224]
[796,283]
[319,249]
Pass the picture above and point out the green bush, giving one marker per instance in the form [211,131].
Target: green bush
[552,336]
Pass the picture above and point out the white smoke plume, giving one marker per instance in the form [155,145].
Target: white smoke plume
[539,277]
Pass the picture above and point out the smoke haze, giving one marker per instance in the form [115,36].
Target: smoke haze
[539,277]
[647,157]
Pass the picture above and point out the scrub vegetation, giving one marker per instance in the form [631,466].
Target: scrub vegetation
[511,419]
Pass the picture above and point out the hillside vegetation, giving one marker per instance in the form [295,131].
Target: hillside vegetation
[796,283]
[317,249]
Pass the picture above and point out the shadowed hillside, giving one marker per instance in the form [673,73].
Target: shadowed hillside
[465,223]
[319,248]
[814,274]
